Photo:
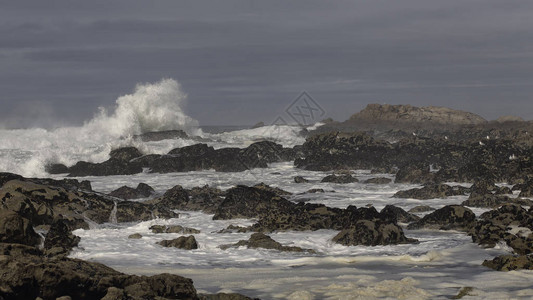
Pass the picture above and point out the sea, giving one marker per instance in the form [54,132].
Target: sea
[438,267]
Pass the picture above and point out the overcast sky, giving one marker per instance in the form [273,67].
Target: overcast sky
[241,62]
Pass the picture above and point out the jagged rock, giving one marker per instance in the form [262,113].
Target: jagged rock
[339,178]
[56,169]
[510,263]
[421,209]
[44,204]
[397,214]
[205,199]
[449,217]
[300,179]
[59,240]
[378,180]
[526,189]
[26,274]
[432,191]
[135,236]
[16,229]
[173,229]
[125,154]
[183,242]
[141,191]
[260,240]
[372,233]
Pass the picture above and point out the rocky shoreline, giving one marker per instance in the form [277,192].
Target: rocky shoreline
[38,215]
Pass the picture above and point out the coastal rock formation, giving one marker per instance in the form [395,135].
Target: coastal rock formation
[260,240]
[300,179]
[343,178]
[399,114]
[16,229]
[432,191]
[397,214]
[27,274]
[450,217]
[173,229]
[510,262]
[183,242]
[378,180]
[141,191]
[372,233]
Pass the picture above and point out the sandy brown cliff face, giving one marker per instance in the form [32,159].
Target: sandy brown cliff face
[410,114]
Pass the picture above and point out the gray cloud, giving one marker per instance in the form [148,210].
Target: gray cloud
[241,62]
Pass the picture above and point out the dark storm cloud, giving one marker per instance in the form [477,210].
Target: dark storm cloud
[241,62]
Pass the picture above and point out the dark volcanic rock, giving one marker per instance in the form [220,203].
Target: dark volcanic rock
[135,236]
[183,242]
[59,240]
[510,263]
[494,201]
[205,199]
[398,214]
[173,229]
[56,169]
[378,180]
[26,274]
[16,229]
[345,178]
[260,240]
[275,190]
[300,179]
[141,191]
[125,154]
[432,191]
[372,233]
[449,217]
[526,189]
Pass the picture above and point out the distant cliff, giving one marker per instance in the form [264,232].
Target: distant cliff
[412,114]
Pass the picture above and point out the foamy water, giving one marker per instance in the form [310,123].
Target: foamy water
[436,268]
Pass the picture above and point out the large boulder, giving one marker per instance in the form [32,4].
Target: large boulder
[449,217]
[414,173]
[141,191]
[343,178]
[397,214]
[26,274]
[372,233]
[260,240]
[16,229]
[183,242]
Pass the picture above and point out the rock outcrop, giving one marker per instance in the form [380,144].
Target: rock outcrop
[372,233]
[260,240]
[432,191]
[141,191]
[449,217]
[183,242]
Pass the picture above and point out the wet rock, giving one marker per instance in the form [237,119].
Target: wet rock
[141,191]
[494,201]
[107,168]
[183,242]
[339,178]
[125,154]
[432,191]
[421,209]
[234,229]
[510,263]
[59,240]
[127,211]
[205,199]
[378,180]
[260,240]
[314,191]
[16,229]
[26,274]
[56,169]
[372,233]
[397,214]
[135,236]
[173,229]
[526,189]
[449,217]
[300,179]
